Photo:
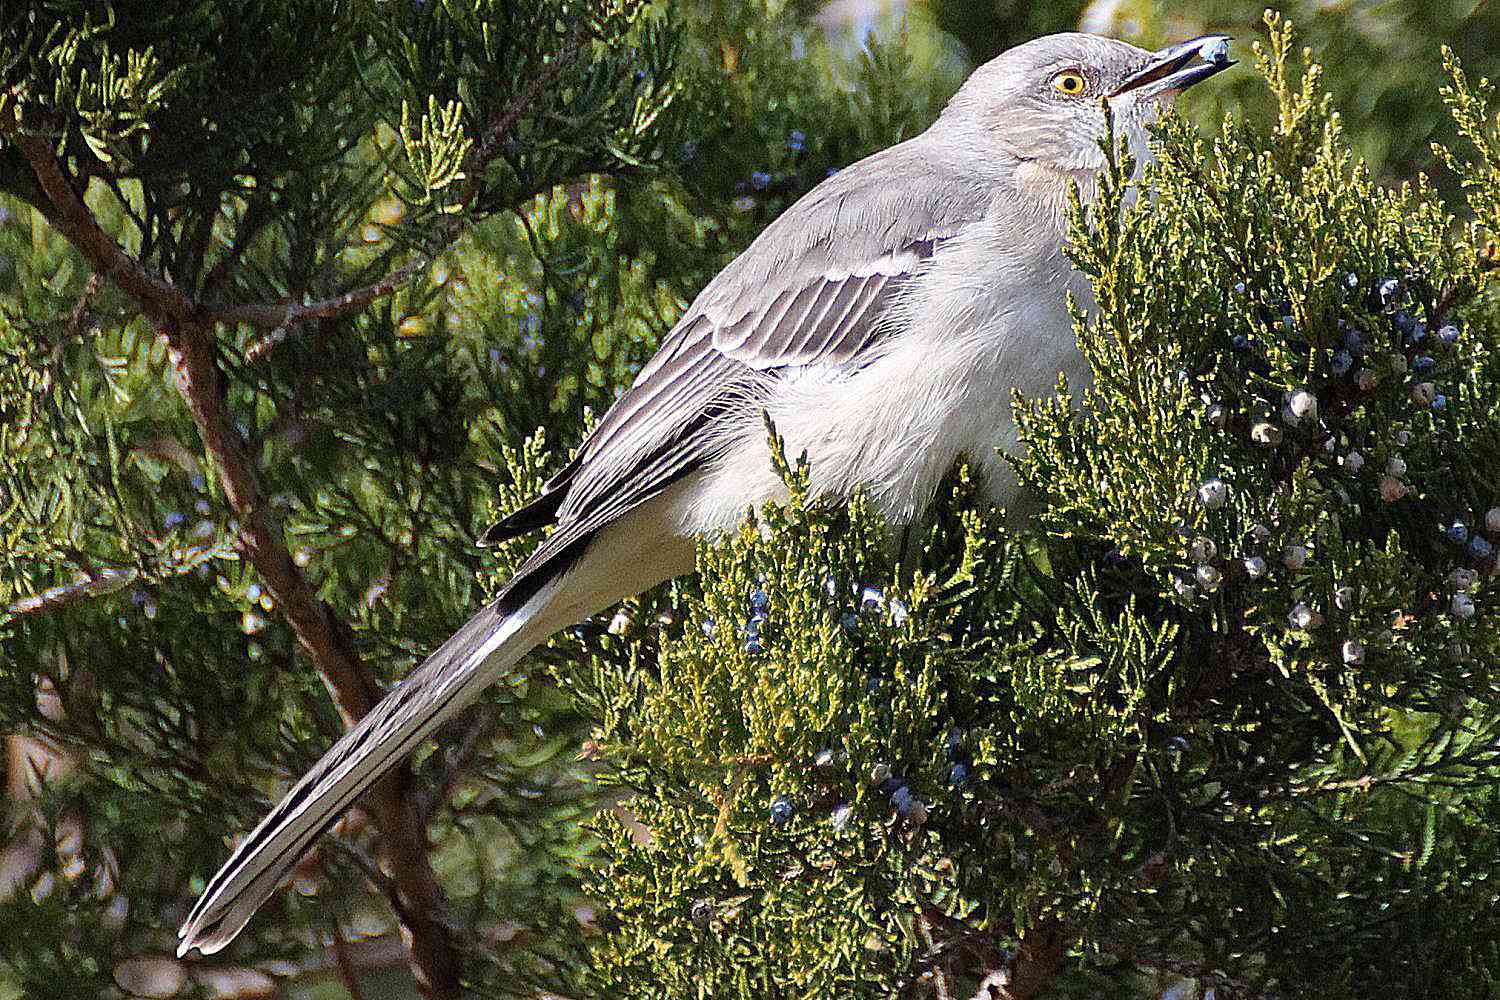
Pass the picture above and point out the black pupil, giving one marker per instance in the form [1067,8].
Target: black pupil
[1070,83]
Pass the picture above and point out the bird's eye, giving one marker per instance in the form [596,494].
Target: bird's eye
[1069,82]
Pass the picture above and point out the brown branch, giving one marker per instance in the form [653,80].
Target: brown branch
[1037,962]
[164,302]
[1039,959]
[418,900]
[161,300]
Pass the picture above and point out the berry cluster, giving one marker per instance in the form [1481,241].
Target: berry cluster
[760,180]
[751,630]
[895,788]
[1393,347]
[911,810]
[868,600]
[1395,342]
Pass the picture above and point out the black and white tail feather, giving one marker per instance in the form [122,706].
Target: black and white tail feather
[452,677]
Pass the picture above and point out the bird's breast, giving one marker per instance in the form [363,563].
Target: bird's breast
[985,316]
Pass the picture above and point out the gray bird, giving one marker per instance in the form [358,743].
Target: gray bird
[882,322]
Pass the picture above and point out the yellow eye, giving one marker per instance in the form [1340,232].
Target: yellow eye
[1069,82]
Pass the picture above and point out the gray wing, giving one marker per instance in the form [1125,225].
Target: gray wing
[813,290]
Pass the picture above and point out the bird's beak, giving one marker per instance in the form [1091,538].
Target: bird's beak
[1179,66]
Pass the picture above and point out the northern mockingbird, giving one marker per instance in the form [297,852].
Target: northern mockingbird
[881,321]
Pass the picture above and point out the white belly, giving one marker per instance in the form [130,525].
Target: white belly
[970,334]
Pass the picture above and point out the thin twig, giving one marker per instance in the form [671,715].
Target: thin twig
[96,584]
[276,315]
[348,975]
[282,318]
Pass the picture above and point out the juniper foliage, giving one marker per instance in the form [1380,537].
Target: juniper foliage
[1231,717]
[834,763]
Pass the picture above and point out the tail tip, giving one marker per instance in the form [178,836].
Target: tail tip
[208,937]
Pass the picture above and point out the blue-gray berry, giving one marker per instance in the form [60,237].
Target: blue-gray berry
[1458,533]
[782,811]
[1342,362]
[1480,548]
[958,775]
[753,645]
[1388,289]
[1213,493]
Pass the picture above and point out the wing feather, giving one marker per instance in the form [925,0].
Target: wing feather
[812,291]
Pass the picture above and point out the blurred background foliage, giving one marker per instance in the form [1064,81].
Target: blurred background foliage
[154,696]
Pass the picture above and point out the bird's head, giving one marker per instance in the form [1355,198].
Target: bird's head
[1041,105]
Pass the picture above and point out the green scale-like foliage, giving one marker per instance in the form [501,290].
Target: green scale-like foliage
[842,690]
[1176,778]
[1130,726]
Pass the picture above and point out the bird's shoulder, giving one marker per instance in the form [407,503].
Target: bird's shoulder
[821,273]
[916,192]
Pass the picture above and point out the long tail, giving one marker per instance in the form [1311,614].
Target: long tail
[452,677]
